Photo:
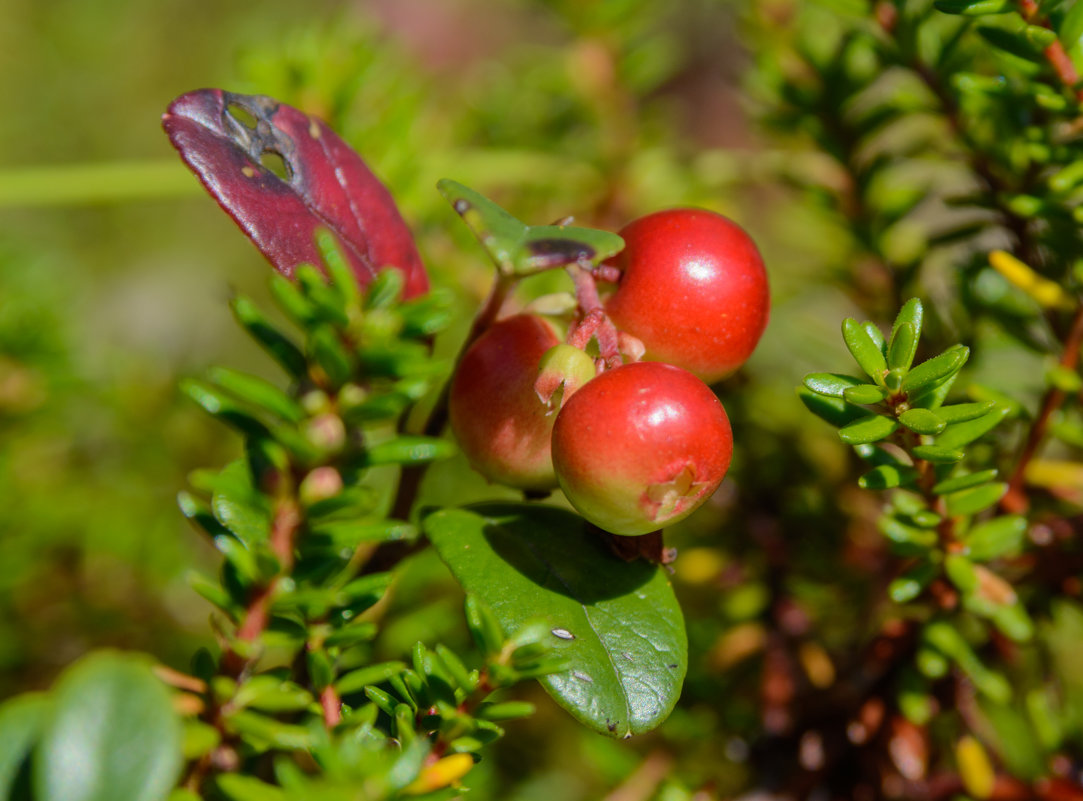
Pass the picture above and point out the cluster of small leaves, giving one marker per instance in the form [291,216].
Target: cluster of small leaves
[299,520]
[407,730]
[948,128]
[941,516]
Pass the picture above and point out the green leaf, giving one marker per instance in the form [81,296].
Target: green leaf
[864,395]
[960,434]
[974,500]
[238,506]
[1011,42]
[965,481]
[835,411]
[1013,621]
[547,246]
[935,370]
[237,787]
[280,347]
[864,349]
[902,348]
[617,624]
[922,421]
[342,534]
[1070,29]
[832,384]
[1016,742]
[269,693]
[1001,536]
[912,540]
[483,625]
[876,335]
[112,734]
[223,407]
[326,302]
[974,8]
[961,572]
[908,586]
[937,454]
[520,249]
[256,391]
[21,720]
[961,412]
[265,732]
[886,476]
[357,680]
[343,280]
[871,428]
[943,636]
[331,355]
[912,313]
[409,450]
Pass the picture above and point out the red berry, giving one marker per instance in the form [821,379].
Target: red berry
[693,289]
[641,446]
[502,426]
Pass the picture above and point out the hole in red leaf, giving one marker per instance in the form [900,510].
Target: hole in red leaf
[242,116]
[275,163]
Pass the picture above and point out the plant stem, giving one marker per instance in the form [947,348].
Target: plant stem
[284,526]
[1054,53]
[331,705]
[1015,500]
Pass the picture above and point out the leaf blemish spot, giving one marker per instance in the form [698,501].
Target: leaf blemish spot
[563,634]
[462,206]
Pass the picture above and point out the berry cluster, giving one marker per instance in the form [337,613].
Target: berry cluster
[635,445]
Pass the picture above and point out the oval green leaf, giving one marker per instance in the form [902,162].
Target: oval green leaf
[872,428]
[1001,536]
[112,734]
[832,385]
[865,350]
[618,624]
[962,434]
[912,314]
[864,394]
[976,499]
[886,476]
[922,421]
[835,411]
[965,481]
[962,412]
[937,369]
[902,348]
[938,454]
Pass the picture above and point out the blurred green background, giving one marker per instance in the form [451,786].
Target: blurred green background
[115,269]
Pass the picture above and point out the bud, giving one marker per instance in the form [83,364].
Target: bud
[562,370]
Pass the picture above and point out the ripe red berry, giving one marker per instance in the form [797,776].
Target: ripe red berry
[641,446]
[502,426]
[693,289]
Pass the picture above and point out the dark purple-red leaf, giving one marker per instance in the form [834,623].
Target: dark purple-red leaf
[225,137]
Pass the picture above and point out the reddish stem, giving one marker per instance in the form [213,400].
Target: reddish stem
[1015,499]
[592,314]
[1055,53]
[332,706]
[284,526]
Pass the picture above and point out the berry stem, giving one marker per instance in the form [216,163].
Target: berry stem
[593,321]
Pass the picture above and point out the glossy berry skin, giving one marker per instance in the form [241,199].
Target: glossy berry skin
[501,425]
[640,447]
[693,289]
